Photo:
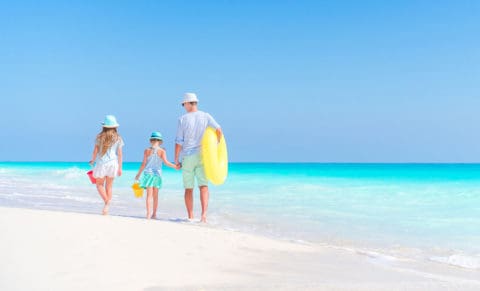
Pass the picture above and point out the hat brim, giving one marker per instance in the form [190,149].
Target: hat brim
[157,138]
[188,101]
[110,126]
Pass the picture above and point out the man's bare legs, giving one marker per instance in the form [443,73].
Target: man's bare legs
[189,202]
[204,200]
[204,195]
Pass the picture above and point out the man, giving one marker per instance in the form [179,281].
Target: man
[191,127]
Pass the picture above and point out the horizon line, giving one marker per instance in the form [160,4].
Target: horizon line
[270,162]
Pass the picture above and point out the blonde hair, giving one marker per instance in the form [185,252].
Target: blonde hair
[106,139]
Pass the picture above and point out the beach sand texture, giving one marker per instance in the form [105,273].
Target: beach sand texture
[47,250]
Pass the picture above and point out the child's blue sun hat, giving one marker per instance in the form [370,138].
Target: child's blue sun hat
[110,122]
[156,135]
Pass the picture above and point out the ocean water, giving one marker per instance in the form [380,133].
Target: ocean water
[406,211]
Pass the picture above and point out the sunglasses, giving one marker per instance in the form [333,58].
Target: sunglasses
[191,103]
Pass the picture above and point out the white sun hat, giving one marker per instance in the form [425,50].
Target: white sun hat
[189,97]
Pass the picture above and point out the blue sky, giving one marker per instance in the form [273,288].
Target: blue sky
[308,81]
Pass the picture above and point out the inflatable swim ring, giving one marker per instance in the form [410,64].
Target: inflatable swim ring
[215,158]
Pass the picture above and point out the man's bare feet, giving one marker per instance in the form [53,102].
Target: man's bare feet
[204,219]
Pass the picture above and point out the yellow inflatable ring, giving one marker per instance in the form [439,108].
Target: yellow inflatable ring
[214,156]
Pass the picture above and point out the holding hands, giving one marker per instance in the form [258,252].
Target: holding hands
[178,166]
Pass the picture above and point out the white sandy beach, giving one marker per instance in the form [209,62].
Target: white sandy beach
[45,250]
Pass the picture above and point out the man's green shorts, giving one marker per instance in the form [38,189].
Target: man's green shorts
[192,167]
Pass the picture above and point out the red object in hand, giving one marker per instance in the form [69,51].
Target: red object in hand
[92,178]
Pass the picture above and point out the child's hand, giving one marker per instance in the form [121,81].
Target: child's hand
[136,177]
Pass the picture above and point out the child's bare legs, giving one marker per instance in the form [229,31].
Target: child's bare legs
[149,196]
[155,203]
[109,185]
[101,189]
[103,193]
[108,192]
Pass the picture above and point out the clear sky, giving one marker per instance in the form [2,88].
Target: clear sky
[308,81]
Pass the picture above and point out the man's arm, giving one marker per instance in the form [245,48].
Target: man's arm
[178,143]
[178,149]
[214,124]
[219,133]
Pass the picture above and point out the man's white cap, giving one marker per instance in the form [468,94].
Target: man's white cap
[189,97]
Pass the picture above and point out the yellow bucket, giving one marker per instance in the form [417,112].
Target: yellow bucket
[137,190]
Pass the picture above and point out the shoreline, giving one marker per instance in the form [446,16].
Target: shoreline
[55,250]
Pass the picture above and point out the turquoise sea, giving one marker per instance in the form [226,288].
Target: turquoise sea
[406,211]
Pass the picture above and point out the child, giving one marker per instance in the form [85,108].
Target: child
[152,171]
[107,156]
